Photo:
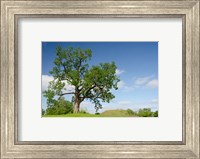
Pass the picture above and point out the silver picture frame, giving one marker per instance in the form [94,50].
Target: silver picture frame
[13,10]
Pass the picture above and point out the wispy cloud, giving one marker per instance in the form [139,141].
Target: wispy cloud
[142,80]
[119,72]
[152,84]
[146,82]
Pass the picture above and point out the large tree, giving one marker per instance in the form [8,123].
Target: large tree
[93,83]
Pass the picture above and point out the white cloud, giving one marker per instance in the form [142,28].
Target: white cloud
[152,84]
[86,104]
[45,81]
[68,87]
[119,72]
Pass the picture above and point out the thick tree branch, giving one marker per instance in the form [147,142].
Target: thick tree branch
[86,93]
[92,97]
[91,88]
[65,94]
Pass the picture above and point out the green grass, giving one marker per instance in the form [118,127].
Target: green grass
[72,115]
[108,113]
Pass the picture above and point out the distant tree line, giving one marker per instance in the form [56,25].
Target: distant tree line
[145,112]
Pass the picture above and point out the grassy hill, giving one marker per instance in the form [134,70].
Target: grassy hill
[117,113]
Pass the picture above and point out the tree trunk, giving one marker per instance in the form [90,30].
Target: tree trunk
[76,102]
[76,106]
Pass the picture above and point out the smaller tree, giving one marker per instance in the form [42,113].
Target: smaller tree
[59,107]
[145,112]
[155,114]
[131,112]
[43,111]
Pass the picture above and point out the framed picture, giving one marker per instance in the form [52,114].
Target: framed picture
[100,79]
[104,87]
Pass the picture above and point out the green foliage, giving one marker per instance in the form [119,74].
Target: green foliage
[43,111]
[93,83]
[155,114]
[98,81]
[49,94]
[130,112]
[71,64]
[145,112]
[61,106]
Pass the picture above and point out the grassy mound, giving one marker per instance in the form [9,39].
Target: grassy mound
[116,113]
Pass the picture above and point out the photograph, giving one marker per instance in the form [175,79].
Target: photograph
[99,79]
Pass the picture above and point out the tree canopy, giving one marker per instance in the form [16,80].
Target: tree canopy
[89,82]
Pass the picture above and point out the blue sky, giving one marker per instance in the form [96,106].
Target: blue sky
[137,68]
